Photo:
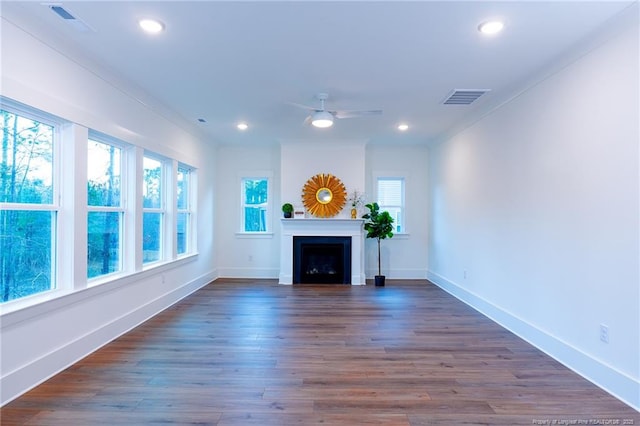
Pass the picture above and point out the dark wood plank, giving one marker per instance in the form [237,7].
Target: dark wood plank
[242,352]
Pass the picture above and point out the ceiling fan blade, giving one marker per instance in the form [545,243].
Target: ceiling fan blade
[351,114]
[303,106]
[307,121]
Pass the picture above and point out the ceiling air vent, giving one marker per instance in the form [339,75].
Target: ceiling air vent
[464,96]
[68,17]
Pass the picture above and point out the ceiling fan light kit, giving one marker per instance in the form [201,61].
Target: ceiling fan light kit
[322,119]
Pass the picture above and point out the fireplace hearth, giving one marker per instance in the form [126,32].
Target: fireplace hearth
[321,260]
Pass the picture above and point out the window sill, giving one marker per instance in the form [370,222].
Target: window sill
[32,306]
[254,235]
[401,236]
[165,264]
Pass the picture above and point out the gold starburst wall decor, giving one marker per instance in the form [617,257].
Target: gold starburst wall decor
[324,195]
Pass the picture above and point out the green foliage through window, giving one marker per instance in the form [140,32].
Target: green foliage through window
[152,183]
[103,254]
[103,174]
[153,210]
[151,236]
[26,179]
[391,199]
[255,198]
[104,219]
[40,221]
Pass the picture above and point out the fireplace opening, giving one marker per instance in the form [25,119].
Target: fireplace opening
[322,260]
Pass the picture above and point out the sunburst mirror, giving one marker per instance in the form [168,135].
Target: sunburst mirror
[324,195]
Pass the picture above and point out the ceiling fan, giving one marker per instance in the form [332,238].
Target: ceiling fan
[321,117]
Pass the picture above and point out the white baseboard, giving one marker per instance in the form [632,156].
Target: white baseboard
[618,384]
[400,274]
[257,273]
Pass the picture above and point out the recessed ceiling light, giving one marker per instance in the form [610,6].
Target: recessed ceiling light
[242,126]
[403,127]
[491,27]
[151,26]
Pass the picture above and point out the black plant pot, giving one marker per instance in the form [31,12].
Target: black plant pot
[287,215]
[379,280]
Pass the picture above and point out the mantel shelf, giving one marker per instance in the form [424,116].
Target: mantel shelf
[316,220]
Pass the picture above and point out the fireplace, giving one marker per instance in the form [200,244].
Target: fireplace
[352,258]
[322,260]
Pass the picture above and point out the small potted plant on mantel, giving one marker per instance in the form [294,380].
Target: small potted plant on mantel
[379,225]
[287,209]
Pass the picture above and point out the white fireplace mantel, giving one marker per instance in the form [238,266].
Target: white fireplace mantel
[322,228]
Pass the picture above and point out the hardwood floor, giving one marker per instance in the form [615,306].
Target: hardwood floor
[243,352]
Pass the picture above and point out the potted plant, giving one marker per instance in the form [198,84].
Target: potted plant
[379,225]
[287,209]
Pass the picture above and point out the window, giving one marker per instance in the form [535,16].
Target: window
[183,196]
[255,199]
[105,209]
[28,206]
[391,198]
[152,210]
[42,220]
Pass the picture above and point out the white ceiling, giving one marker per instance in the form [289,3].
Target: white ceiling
[232,61]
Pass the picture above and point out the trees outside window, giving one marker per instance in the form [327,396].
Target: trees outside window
[105,210]
[153,209]
[255,200]
[27,209]
[43,212]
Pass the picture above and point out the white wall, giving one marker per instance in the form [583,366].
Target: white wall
[302,160]
[292,164]
[39,341]
[242,255]
[405,255]
[538,203]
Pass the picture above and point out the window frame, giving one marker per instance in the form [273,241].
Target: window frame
[258,175]
[54,207]
[162,210]
[402,207]
[121,209]
[188,210]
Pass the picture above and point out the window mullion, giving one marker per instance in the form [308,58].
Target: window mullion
[72,220]
[154,217]
[170,205]
[133,217]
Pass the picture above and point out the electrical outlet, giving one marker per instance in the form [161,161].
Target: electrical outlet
[465,274]
[604,333]
[250,258]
